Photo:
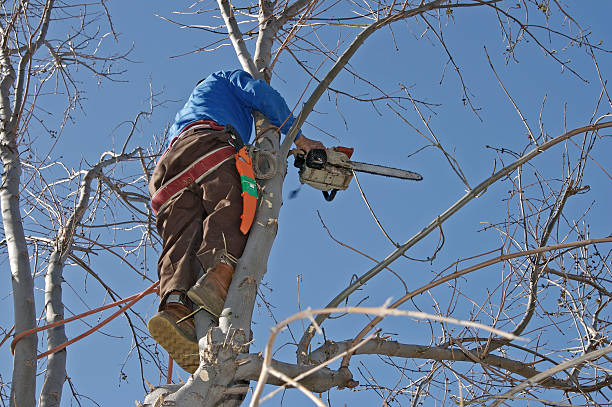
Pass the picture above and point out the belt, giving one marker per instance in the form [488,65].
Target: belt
[194,173]
[198,124]
[205,124]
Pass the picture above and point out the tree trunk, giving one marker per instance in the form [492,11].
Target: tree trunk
[213,382]
[24,364]
[55,376]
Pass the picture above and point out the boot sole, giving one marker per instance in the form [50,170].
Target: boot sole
[183,350]
[212,305]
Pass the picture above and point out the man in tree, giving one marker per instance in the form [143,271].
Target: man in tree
[197,198]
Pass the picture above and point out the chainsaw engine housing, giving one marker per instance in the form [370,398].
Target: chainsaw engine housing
[326,169]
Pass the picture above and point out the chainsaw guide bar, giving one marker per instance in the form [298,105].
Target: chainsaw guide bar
[385,171]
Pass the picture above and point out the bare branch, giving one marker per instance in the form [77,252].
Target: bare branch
[540,377]
[341,63]
[243,54]
[381,346]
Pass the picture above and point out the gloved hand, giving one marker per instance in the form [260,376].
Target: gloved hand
[305,144]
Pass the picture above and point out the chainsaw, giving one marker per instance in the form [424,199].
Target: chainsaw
[331,170]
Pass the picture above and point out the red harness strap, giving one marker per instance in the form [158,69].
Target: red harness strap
[194,173]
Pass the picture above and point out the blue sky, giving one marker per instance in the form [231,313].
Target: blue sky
[303,250]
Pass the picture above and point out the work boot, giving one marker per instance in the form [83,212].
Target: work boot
[210,290]
[177,338]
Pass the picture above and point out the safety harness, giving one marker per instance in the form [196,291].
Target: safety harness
[208,163]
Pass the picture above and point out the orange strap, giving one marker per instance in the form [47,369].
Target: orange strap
[244,165]
[170,365]
[130,300]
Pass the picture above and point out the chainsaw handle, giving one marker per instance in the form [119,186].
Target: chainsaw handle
[329,196]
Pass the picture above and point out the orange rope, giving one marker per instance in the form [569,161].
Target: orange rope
[8,335]
[131,301]
[170,365]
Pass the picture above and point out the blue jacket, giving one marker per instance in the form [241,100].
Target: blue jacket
[228,97]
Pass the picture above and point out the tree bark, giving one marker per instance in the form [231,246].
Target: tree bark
[317,382]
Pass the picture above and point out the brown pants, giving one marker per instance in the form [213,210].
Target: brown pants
[202,223]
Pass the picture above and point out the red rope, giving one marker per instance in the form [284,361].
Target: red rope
[130,300]
[170,365]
